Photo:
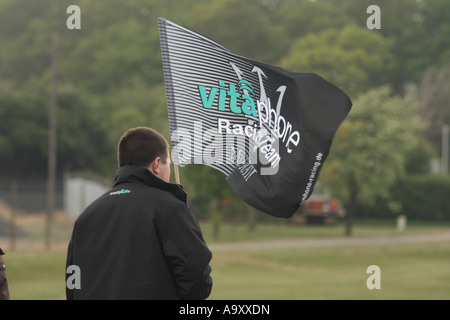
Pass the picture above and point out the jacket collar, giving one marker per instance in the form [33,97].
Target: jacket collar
[130,173]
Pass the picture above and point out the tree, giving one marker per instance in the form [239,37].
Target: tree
[207,187]
[82,135]
[23,131]
[135,105]
[369,151]
[107,65]
[246,28]
[434,98]
[301,18]
[353,58]
[82,143]
[25,29]
[423,42]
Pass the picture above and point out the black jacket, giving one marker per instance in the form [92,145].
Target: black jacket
[139,241]
[4,290]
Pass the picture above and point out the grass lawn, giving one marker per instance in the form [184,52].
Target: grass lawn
[36,275]
[408,270]
[281,230]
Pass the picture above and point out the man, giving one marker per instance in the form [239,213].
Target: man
[139,240]
[4,290]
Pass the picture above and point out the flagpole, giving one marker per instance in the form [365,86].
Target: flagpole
[177,173]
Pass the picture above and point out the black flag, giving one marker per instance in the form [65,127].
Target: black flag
[267,129]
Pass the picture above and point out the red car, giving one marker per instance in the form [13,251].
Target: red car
[319,209]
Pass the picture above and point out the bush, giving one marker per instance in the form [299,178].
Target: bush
[424,197]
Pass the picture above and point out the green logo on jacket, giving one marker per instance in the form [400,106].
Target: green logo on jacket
[122,191]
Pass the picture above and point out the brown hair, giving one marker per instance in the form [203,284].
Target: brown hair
[140,146]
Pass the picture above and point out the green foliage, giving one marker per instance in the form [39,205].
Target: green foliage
[424,196]
[135,105]
[24,130]
[425,41]
[354,58]
[110,78]
[419,158]
[300,18]
[108,65]
[418,197]
[370,148]
[82,138]
[434,97]
[250,32]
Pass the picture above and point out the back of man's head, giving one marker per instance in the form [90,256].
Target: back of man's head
[140,146]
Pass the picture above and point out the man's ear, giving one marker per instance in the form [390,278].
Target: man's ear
[154,166]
